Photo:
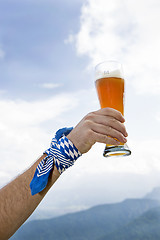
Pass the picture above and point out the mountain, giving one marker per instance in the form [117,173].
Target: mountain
[92,224]
[42,214]
[154,194]
[147,227]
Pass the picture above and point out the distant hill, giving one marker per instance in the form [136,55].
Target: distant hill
[93,224]
[47,214]
[145,227]
[154,194]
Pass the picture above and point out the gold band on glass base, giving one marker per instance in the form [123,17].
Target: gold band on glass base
[115,151]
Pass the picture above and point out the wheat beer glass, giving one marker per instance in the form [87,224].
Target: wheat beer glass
[109,81]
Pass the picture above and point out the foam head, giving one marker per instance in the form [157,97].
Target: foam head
[106,74]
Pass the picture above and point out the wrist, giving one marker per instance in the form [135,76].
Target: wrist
[74,140]
[55,172]
[61,155]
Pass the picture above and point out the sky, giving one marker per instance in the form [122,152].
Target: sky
[48,52]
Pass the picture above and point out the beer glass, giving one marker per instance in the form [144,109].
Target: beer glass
[109,81]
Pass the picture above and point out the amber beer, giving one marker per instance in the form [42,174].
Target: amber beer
[110,88]
[111,92]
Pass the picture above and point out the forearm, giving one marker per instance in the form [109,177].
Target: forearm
[17,203]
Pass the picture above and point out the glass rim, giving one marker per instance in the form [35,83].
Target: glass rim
[108,61]
[109,68]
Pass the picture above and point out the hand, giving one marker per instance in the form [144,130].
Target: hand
[104,126]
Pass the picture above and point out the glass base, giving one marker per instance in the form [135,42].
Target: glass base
[117,151]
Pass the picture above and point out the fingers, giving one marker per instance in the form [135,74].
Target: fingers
[111,122]
[104,126]
[110,112]
[104,139]
[108,131]
[106,117]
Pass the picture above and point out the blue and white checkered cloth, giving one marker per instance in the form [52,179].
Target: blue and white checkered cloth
[62,153]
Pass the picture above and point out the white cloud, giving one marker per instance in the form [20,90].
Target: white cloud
[98,180]
[142,161]
[69,39]
[126,31]
[19,113]
[26,128]
[50,85]
[24,131]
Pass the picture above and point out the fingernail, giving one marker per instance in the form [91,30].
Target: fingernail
[125,139]
[123,118]
[126,134]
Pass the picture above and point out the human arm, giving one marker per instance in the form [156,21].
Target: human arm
[16,201]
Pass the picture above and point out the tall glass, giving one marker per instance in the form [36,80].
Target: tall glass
[109,81]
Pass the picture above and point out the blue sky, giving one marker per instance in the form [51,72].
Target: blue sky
[48,50]
[33,37]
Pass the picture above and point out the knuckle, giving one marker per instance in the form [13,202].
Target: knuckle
[89,116]
[102,138]
[114,120]
[107,109]
[111,121]
[88,123]
[106,138]
[90,134]
[109,129]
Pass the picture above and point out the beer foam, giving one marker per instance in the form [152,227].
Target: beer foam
[106,74]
